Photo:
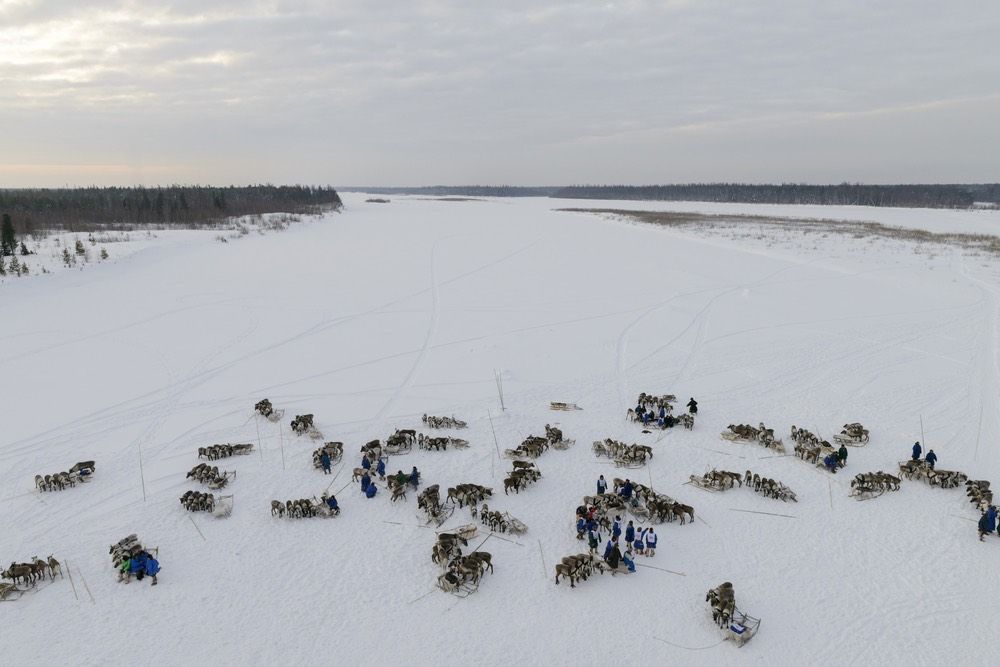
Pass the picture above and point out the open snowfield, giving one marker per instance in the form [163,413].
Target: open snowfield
[371,317]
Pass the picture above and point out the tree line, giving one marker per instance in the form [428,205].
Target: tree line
[78,209]
[844,194]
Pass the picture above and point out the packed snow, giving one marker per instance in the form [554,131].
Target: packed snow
[374,316]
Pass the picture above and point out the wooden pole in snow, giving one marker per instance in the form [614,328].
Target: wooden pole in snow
[281,438]
[922,438]
[259,446]
[142,476]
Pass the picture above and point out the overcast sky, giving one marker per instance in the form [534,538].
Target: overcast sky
[417,93]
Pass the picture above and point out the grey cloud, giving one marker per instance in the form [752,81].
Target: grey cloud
[517,92]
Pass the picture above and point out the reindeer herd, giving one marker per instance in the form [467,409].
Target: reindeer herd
[224,451]
[80,472]
[722,480]
[629,456]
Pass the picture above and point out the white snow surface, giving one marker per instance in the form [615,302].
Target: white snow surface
[373,316]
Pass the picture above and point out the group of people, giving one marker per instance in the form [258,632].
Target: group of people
[139,564]
[368,486]
[635,541]
[661,417]
[836,460]
[930,459]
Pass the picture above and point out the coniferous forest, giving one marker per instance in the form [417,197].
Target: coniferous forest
[76,209]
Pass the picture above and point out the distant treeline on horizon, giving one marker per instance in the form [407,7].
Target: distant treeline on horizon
[83,208]
[844,194]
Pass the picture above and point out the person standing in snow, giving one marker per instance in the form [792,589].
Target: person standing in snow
[414,478]
[987,522]
[629,534]
[581,527]
[608,547]
[692,406]
[371,490]
[842,456]
[916,451]
[324,460]
[152,568]
[614,558]
[593,540]
[602,485]
[366,462]
[366,481]
[639,544]
[380,468]
[650,542]
[616,527]
[931,458]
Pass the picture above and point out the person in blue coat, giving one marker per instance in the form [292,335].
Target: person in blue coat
[324,460]
[581,528]
[366,481]
[626,491]
[629,534]
[366,462]
[663,412]
[931,458]
[830,461]
[608,548]
[616,527]
[592,525]
[414,477]
[138,566]
[370,492]
[987,522]
[152,568]
[380,468]
[650,542]
[916,451]
[627,558]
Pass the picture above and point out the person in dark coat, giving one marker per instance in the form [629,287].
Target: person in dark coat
[646,416]
[602,485]
[371,490]
[324,460]
[414,477]
[692,406]
[331,502]
[616,528]
[629,533]
[663,412]
[581,528]
[626,491]
[607,548]
[380,468]
[987,522]
[842,456]
[916,451]
[366,462]
[830,461]
[614,558]
[592,525]
[366,481]
[931,458]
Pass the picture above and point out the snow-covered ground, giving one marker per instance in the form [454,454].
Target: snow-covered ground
[372,317]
